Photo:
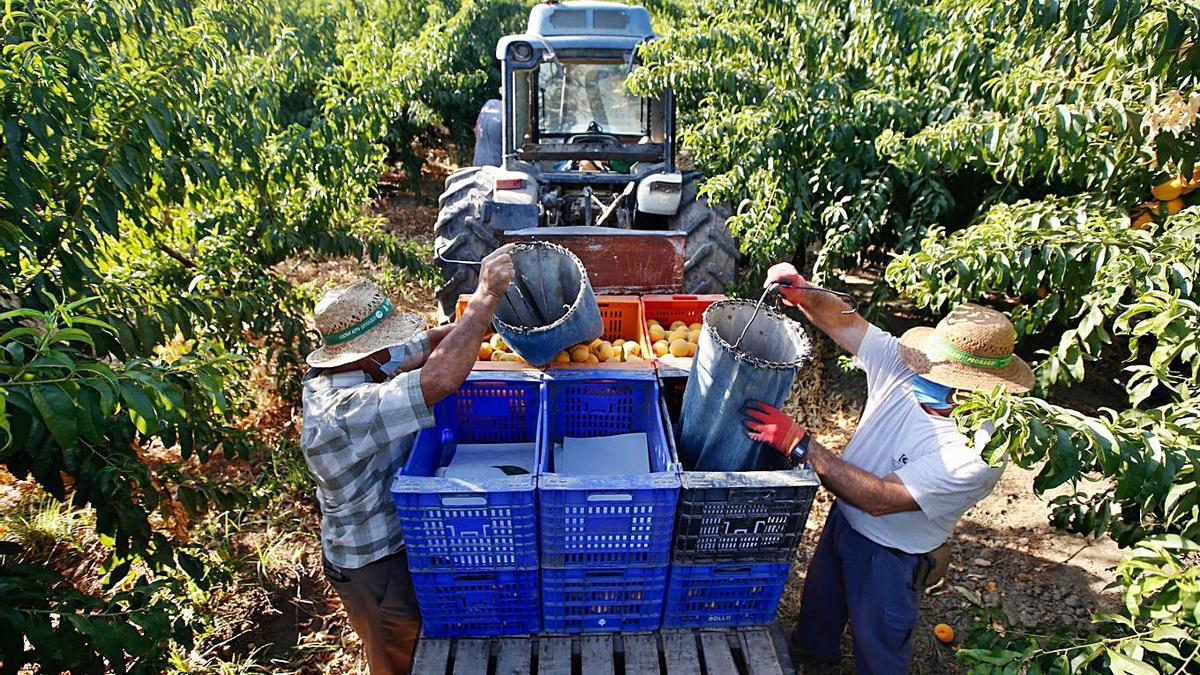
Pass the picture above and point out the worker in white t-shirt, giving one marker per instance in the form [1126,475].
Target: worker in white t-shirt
[904,480]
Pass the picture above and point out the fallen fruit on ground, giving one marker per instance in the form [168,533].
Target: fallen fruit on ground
[944,633]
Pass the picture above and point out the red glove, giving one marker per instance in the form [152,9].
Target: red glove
[770,425]
[791,283]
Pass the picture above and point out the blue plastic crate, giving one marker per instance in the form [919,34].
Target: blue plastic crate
[451,523]
[605,521]
[478,602]
[583,600]
[723,595]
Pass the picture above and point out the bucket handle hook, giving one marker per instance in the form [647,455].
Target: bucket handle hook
[773,287]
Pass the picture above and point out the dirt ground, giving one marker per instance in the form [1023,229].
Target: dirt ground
[281,616]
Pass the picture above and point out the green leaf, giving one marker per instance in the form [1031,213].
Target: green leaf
[57,410]
[1120,664]
[142,410]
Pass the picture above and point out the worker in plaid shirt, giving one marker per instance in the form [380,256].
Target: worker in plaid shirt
[371,388]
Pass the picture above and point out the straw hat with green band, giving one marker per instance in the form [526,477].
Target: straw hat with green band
[356,320]
[971,348]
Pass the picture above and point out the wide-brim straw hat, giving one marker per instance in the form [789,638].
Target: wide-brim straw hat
[971,348]
[357,320]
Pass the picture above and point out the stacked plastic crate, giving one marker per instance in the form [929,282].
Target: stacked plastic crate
[605,539]
[472,543]
[735,532]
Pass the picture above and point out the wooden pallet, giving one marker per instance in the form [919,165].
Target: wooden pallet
[759,650]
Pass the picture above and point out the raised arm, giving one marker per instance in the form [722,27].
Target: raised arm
[451,361]
[823,309]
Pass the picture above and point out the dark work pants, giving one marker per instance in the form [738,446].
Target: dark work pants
[851,578]
[382,609]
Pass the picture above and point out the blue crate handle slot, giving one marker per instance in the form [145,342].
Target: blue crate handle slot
[452,500]
[601,574]
[619,497]
[732,570]
[476,576]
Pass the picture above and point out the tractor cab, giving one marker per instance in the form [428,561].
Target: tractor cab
[570,155]
[572,128]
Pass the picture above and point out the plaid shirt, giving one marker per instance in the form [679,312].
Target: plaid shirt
[357,434]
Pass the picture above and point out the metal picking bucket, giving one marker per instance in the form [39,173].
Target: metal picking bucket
[723,378]
[550,306]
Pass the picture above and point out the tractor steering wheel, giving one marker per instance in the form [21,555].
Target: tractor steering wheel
[603,139]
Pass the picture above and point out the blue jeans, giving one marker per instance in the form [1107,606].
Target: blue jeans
[852,578]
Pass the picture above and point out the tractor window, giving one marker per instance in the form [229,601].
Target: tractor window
[520,130]
[588,98]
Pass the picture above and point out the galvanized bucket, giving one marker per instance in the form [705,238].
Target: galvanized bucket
[550,306]
[762,367]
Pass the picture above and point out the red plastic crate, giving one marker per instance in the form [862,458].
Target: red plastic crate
[623,319]
[666,309]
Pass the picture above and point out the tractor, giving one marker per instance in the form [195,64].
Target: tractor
[570,155]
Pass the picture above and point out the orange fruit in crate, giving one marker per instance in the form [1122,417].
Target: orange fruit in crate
[562,357]
[605,351]
[692,349]
[618,342]
[694,326]
[680,348]
[631,349]
[496,355]
[693,336]
[678,324]
[661,347]
[652,322]
[944,633]
[591,358]
[595,344]
[498,343]
[633,357]
[485,351]
[657,333]
[579,354]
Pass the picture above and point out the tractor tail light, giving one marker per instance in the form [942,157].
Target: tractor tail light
[510,184]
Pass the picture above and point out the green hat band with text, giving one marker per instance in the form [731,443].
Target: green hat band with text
[373,319]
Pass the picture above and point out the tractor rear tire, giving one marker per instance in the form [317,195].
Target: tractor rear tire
[711,254]
[461,234]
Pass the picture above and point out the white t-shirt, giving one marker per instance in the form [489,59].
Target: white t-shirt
[935,461]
